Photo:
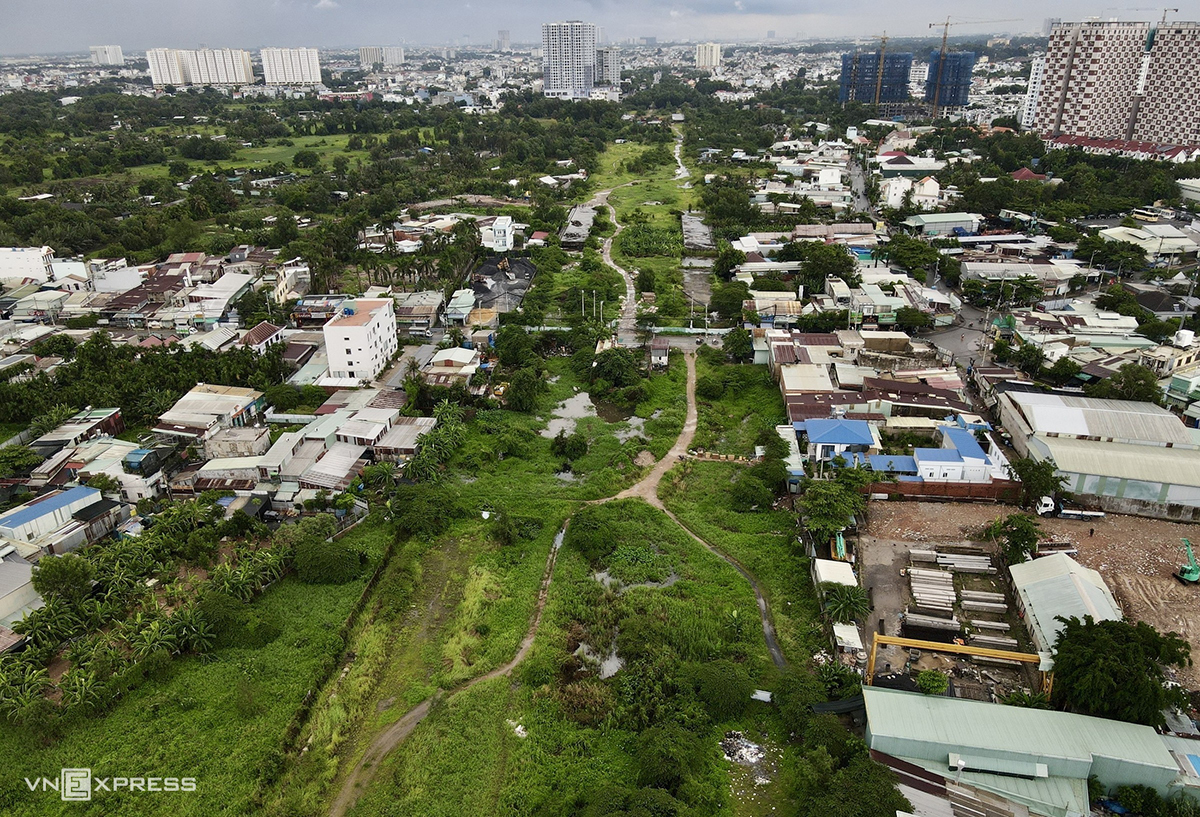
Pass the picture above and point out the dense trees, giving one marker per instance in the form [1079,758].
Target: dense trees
[1115,669]
[1130,382]
[149,380]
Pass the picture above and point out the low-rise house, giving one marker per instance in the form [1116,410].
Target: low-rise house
[418,311]
[660,350]
[243,441]
[207,409]
[59,522]
[17,595]
[262,336]
[402,440]
[828,439]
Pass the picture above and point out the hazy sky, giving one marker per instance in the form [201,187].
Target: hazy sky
[45,26]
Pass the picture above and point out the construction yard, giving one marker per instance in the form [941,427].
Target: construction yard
[1135,556]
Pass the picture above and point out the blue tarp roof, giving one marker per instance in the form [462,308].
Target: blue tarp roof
[28,513]
[892,464]
[838,432]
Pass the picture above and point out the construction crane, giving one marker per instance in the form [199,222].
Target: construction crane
[937,85]
[879,76]
[1165,12]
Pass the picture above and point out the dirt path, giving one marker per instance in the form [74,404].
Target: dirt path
[368,765]
[647,489]
[627,325]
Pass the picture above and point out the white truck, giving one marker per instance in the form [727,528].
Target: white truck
[1048,507]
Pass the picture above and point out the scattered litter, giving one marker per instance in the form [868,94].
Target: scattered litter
[738,749]
[518,729]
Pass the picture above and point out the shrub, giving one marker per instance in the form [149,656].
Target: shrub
[725,689]
[932,682]
[322,562]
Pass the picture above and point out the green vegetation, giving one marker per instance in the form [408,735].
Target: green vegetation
[1115,669]
[221,718]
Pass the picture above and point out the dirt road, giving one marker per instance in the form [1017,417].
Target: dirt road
[368,765]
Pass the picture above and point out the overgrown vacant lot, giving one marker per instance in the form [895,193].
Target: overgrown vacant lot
[219,718]
[564,737]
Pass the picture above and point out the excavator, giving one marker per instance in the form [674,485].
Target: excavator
[1190,572]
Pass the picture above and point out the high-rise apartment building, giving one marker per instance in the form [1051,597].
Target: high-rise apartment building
[503,40]
[1169,108]
[1037,73]
[388,56]
[1090,79]
[291,66]
[107,55]
[708,56]
[875,77]
[948,83]
[221,66]
[165,66]
[1120,80]
[568,59]
[368,55]
[608,65]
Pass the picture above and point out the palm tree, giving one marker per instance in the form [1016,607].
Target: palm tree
[845,603]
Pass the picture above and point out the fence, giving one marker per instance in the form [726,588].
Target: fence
[1006,491]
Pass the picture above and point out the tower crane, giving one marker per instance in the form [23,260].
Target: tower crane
[937,86]
[879,76]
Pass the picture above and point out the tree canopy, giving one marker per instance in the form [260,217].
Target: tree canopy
[1115,669]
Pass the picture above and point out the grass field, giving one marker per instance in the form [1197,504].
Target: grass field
[749,404]
[763,541]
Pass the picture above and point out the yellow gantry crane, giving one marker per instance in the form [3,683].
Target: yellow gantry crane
[937,85]
[960,649]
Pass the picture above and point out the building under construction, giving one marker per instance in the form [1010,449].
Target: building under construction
[875,78]
[948,83]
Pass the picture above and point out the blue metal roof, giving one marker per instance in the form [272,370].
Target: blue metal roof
[839,432]
[892,464]
[965,442]
[936,455]
[45,505]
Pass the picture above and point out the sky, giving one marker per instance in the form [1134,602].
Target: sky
[62,26]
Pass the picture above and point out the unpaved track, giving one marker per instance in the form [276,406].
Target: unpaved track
[645,489]
[365,769]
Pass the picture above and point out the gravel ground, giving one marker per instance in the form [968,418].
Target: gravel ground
[1135,556]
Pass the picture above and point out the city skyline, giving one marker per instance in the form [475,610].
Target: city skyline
[56,26]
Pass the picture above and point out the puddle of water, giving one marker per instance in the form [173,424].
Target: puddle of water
[565,476]
[610,582]
[610,413]
[610,664]
[636,427]
[567,413]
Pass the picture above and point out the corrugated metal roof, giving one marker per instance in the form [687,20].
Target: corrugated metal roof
[1057,585]
[49,503]
[1093,417]
[908,724]
[1146,463]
